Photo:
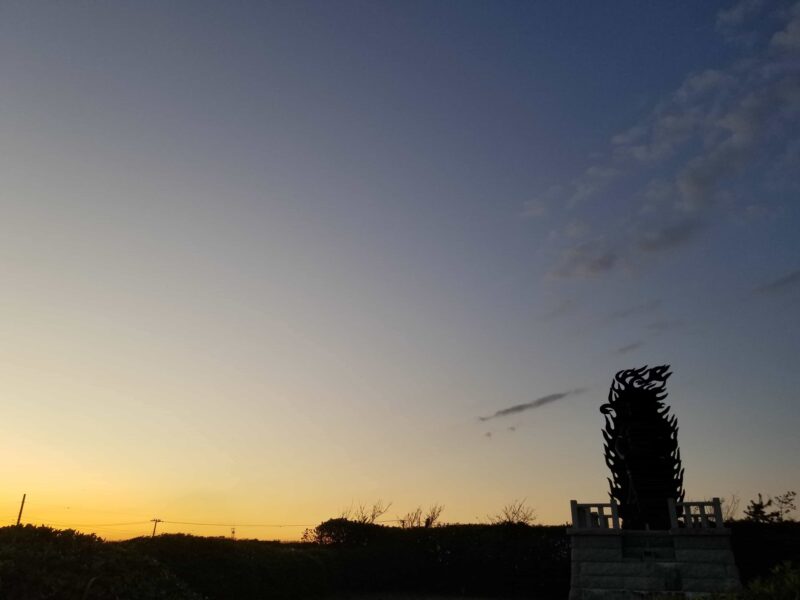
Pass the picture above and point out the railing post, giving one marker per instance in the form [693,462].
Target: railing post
[673,513]
[703,516]
[614,514]
[601,517]
[573,505]
[718,512]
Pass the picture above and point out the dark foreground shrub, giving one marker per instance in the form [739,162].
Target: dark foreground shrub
[783,583]
[39,562]
[221,568]
[760,547]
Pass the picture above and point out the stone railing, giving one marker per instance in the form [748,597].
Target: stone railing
[696,515]
[691,559]
[593,516]
[682,515]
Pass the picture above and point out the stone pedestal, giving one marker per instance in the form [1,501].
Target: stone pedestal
[618,564]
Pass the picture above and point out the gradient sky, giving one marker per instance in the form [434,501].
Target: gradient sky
[262,261]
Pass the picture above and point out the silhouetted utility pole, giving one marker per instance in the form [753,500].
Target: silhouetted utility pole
[155,523]
[233,533]
[21,506]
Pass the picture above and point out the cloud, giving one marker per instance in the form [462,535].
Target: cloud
[664,325]
[565,307]
[635,310]
[518,408]
[542,204]
[669,236]
[702,148]
[586,259]
[700,84]
[735,16]
[576,229]
[634,134]
[783,284]
[630,347]
[663,135]
[788,39]
[534,208]
[735,137]
[594,179]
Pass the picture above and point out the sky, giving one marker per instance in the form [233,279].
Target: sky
[265,261]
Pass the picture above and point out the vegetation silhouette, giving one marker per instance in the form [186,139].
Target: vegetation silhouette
[491,561]
[641,448]
[784,505]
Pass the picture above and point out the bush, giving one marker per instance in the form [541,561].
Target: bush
[40,562]
[783,583]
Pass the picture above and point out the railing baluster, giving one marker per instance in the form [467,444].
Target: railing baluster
[718,512]
[673,514]
[703,516]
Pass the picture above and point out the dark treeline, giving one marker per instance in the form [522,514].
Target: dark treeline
[499,561]
[505,560]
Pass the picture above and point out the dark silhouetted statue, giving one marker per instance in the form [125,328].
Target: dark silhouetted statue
[641,448]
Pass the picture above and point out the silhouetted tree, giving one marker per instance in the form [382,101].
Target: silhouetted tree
[365,514]
[757,511]
[784,504]
[517,512]
[730,507]
[416,518]
[641,448]
[411,519]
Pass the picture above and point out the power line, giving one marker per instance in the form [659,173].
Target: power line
[97,524]
[242,524]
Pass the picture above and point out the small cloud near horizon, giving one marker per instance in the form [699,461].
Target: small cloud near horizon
[630,347]
[518,408]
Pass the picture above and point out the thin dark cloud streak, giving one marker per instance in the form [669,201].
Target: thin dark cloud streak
[564,308]
[518,408]
[664,325]
[783,284]
[635,310]
[670,236]
[587,259]
[630,347]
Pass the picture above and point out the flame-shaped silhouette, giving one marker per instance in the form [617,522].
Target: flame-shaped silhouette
[641,448]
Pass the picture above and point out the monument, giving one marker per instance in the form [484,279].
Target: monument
[647,540]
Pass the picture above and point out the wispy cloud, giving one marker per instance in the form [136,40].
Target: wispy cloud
[737,14]
[788,39]
[634,310]
[664,325]
[544,203]
[630,347]
[586,259]
[669,236]
[731,20]
[780,285]
[689,155]
[563,308]
[518,408]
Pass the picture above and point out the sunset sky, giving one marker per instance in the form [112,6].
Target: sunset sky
[265,260]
